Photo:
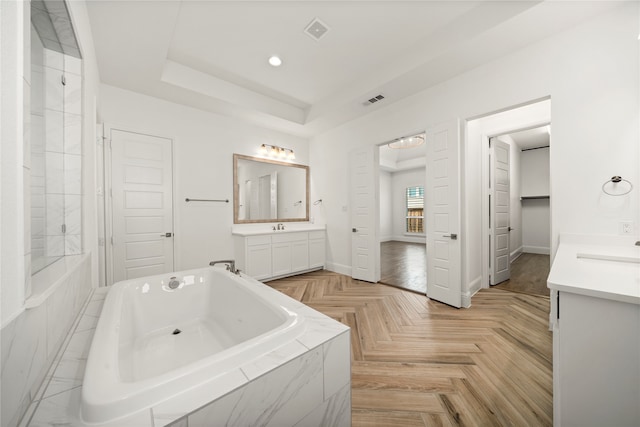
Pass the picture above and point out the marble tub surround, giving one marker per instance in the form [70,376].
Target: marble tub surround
[31,341]
[303,382]
[312,389]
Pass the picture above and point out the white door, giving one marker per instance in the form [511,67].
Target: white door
[500,267]
[365,247]
[142,205]
[442,202]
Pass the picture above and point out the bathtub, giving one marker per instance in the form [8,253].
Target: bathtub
[153,342]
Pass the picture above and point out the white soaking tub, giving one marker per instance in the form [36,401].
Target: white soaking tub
[153,342]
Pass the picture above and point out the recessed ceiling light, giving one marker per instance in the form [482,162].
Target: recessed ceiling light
[275,61]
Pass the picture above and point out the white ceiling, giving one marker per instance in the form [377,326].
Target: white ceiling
[213,55]
[532,138]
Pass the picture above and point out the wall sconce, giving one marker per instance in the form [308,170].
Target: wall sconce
[275,151]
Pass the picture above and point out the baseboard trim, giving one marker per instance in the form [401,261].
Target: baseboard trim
[536,250]
[515,254]
[409,239]
[338,268]
[474,287]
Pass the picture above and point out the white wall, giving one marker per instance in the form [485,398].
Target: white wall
[203,147]
[399,182]
[386,212]
[591,74]
[535,172]
[536,215]
[15,255]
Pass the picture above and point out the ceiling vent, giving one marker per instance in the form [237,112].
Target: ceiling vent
[316,29]
[373,100]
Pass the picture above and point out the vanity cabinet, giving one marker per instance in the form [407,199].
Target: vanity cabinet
[316,249]
[596,362]
[595,315]
[270,256]
[258,251]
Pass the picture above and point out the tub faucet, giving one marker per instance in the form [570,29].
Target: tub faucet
[173,283]
[231,265]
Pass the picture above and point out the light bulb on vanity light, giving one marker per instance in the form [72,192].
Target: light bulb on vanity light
[263,149]
[291,155]
[282,153]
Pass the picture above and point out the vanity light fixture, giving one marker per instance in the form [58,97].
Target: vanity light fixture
[275,151]
[407,141]
[275,61]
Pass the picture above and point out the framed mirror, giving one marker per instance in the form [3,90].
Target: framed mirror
[267,190]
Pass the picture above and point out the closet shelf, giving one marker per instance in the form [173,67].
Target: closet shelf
[533,197]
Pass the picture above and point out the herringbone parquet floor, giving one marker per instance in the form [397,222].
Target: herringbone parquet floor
[416,362]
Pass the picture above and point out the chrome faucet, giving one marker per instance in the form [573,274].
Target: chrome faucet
[231,265]
[281,226]
[173,283]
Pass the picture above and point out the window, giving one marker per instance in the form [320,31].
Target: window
[415,209]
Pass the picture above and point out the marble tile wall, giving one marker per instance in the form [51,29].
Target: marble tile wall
[31,342]
[34,190]
[56,189]
[72,148]
[314,389]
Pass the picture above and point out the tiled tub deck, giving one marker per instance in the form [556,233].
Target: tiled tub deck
[303,383]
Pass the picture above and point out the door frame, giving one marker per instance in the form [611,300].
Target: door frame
[108,200]
[377,169]
[485,167]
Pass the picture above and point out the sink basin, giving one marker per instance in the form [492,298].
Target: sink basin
[615,258]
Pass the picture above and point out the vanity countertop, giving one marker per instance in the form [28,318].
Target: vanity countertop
[265,229]
[598,266]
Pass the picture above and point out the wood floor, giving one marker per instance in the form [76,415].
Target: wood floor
[404,265]
[529,274]
[416,362]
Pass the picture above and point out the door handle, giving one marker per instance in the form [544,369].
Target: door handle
[510,229]
[452,236]
[354,230]
[166,235]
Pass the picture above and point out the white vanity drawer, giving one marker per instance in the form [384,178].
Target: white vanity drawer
[319,234]
[258,240]
[289,237]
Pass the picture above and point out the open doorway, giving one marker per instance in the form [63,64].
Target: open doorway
[402,233]
[524,265]
[513,150]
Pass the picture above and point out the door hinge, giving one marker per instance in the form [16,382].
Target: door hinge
[63,80]
[64,228]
